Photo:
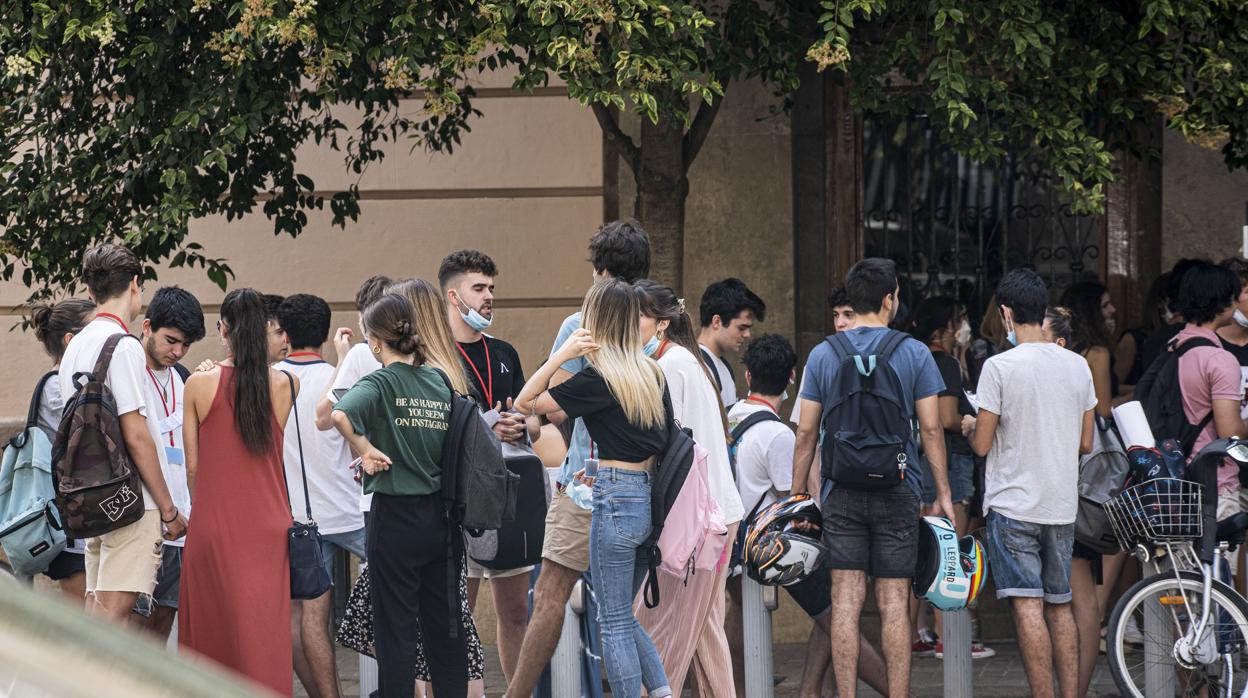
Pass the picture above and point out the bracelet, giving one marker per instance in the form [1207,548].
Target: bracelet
[175,517]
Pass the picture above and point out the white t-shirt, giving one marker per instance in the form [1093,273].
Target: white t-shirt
[696,407]
[126,373]
[764,456]
[165,412]
[727,382]
[359,362]
[331,485]
[1041,392]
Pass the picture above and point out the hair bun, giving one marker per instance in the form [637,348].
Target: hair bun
[403,328]
[40,316]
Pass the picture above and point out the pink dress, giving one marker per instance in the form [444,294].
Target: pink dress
[235,593]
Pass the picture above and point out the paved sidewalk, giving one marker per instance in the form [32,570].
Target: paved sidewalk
[999,677]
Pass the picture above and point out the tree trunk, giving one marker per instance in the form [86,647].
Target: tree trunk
[661,192]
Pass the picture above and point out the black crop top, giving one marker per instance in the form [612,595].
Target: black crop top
[586,395]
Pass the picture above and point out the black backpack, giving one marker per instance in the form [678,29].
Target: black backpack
[479,492]
[670,470]
[1161,397]
[866,426]
[519,543]
[477,489]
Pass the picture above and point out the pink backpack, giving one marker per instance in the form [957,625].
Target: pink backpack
[694,536]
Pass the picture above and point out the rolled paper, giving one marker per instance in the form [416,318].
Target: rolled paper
[1133,425]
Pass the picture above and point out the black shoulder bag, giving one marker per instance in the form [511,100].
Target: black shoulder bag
[308,577]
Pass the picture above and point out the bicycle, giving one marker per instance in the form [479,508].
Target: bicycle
[1193,623]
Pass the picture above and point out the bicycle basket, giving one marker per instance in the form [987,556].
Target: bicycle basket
[1157,511]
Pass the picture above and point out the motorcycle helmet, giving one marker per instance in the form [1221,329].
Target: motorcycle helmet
[949,572]
[784,542]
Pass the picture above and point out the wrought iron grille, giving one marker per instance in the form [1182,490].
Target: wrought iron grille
[955,226]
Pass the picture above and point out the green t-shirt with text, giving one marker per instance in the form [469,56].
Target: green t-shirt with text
[403,411]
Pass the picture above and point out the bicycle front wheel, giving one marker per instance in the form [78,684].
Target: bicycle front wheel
[1146,655]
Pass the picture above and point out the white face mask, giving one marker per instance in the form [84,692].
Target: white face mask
[1167,315]
[963,337]
[1111,324]
[1240,318]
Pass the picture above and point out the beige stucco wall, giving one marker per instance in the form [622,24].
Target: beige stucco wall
[1203,203]
[525,187]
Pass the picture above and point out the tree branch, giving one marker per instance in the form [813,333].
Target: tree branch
[695,138]
[617,139]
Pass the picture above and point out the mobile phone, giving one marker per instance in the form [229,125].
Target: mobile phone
[339,392]
[591,467]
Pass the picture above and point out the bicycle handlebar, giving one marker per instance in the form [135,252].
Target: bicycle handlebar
[1203,470]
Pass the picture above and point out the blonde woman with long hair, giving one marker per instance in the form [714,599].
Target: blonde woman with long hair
[620,398]
[433,329]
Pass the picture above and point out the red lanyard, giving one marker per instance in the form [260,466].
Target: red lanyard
[760,401]
[658,354]
[305,353]
[172,394]
[489,371]
[115,319]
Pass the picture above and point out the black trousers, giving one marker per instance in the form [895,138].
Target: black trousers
[408,559]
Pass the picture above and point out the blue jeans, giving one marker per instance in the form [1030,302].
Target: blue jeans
[961,469]
[1030,560]
[617,562]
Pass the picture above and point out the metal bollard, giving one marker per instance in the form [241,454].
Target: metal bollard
[1159,674]
[956,632]
[756,620]
[565,665]
[368,665]
[368,676]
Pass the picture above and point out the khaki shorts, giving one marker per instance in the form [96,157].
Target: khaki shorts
[476,571]
[126,559]
[567,533]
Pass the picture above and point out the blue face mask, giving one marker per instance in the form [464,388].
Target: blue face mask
[1012,338]
[475,320]
[651,346]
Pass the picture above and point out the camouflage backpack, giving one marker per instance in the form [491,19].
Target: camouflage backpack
[97,486]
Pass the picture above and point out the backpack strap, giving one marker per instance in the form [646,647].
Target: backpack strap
[710,363]
[106,354]
[307,498]
[1188,439]
[748,423]
[32,415]
[650,589]
[454,534]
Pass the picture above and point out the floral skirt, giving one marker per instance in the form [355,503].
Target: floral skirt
[356,631]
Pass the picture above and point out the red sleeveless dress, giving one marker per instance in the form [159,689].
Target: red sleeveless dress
[235,590]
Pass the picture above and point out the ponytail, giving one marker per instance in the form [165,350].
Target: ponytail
[246,318]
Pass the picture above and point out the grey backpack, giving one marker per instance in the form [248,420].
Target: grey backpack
[1102,473]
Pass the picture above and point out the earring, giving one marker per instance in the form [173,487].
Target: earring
[377,351]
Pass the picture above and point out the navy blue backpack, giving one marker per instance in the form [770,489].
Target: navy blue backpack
[866,424]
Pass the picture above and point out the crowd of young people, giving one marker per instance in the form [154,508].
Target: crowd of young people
[995,420]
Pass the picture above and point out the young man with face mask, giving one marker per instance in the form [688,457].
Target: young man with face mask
[174,322]
[1036,409]
[493,367]
[728,312]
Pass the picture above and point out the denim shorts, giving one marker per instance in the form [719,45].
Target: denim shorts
[873,531]
[354,542]
[961,478]
[1030,560]
[168,579]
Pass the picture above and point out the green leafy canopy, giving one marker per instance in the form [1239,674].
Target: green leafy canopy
[126,119]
